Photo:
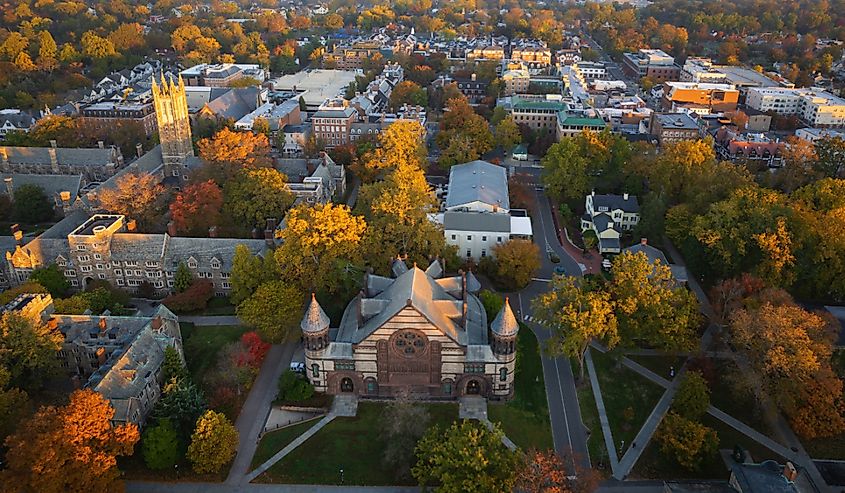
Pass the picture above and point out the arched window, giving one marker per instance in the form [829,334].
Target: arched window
[503,374]
[315,370]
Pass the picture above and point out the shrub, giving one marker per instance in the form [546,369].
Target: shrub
[193,299]
[294,387]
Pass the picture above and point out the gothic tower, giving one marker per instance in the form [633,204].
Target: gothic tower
[174,124]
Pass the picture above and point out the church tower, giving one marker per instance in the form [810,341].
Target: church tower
[174,124]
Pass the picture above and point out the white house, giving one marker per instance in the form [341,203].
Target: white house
[477,214]
[608,216]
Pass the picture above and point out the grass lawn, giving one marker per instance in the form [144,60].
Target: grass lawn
[653,464]
[201,345]
[277,440]
[727,399]
[134,468]
[352,444]
[590,418]
[219,305]
[659,364]
[628,397]
[525,418]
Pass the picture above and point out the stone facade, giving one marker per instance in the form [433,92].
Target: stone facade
[174,125]
[417,334]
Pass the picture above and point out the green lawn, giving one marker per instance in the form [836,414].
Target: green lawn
[659,364]
[201,345]
[590,418]
[352,444]
[525,418]
[628,397]
[653,464]
[277,440]
[219,305]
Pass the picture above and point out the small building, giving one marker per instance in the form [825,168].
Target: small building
[701,98]
[771,477]
[14,120]
[332,122]
[416,333]
[221,74]
[609,216]
[520,153]
[655,64]
[674,127]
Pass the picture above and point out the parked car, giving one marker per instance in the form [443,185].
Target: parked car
[297,367]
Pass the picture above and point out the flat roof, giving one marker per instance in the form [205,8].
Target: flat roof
[316,85]
[745,77]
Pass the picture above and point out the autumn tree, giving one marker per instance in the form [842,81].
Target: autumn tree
[799,165]
[407,92]
[465,457]
[464,135]
[250,271]
[13,403]
[160,445]
[72,448]
[28,349]
[578,315]
[830,156]
[545,472]
[255,195]
[94,46]
[282,322]
[228,152]
[317,245]
[137,196]
[47,51]
[197,208]
[571,167]
[515,262]
[213,444]
[693,396]
[507,134]
[688,441]
[400,144]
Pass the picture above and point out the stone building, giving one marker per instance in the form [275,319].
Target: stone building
[95,164]
[174,125]
[417,333]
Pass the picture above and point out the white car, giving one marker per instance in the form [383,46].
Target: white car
[297,366]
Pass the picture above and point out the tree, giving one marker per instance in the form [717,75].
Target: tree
[31,205]
[161,445]
[318,243]
[213,444]
[799,165]
[693,396]
[507,134]
[544,472]
[181,403]
[73,448]
[333,21]
[28,349]
[228,151]
[173,365]
[463,135]
[590,240]
[183,278]
[248,272]
[261,125]
[294,387]
[400,144]
[407,92]
[405,423]
[12,404]
[466,457]
[255,195]
[689,442]
[127,37]
[47,51]
[137,196]
[94,46]
[516,262]
[578,316]
[565,171]
[193,299]
[24,63]
[197,208]
[282,322]
[51,278]
[830,156]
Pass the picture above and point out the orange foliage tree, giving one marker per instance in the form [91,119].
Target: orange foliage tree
[227,152]
[137,196]
[72,448]
[197,208]
[545,472]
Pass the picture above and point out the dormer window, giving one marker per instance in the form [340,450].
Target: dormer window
[215,264]
[192,263]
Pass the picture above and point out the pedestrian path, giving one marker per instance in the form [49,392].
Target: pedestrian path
[289,448]
[211,320]
[605,423]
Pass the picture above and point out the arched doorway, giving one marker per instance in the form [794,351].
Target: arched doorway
[86,283]
[346,385]
[473,387]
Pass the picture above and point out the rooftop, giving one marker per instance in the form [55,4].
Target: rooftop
[478,181]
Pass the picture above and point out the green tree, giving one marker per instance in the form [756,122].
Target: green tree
[508,134]
[12,404]
[565,171]
[255,195]
[213,444]
[173,365]
[578,316]
[183,278]
[32,205]
[464,135]
[407,92]
[250,271]
[693,396]
[161,446]
[689,442]
[28,349]
[51,278]
[466,457]
[294,387]
[182,403]
[830,156]
[282,322]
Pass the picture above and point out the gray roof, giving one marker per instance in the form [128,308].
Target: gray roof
[345,112]
[235,103]
[421,292]
[315,319]
[652,253]
[204,249]
[477,221]
[609,244]
[20,120]
[768,477]
[64,155]
[505,323]
[50,184]
[613,202]
[478,181]
[676,121]
[602,221]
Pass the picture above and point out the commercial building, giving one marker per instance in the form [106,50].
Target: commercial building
[702,70]
[221,74]
[535,112]
[590,71]
[108,114]
[674,127]
[333,121]
[701,98]
[654,64]
[416,332]
[816,107]
[749,147]
[570,124]
[315,86]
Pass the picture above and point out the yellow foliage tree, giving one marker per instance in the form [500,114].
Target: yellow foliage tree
[213,444]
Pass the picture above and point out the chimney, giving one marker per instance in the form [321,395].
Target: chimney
[101,144]
[65,196]
[360,308]
[4,156]
[171,228]
[10,189]
[103,324]
[212,232]
[53,143]
[464,289]
[54,159]
[643,241]
[132,225]
[139,149]
[156,323]
[625,196]
[17,234]
[789,472]
[473,77]
[256,233]
[464,313]
[593,193]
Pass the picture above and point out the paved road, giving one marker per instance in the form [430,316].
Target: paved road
[254,413]
[568,432]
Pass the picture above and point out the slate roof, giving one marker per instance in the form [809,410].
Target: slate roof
[414,289]
[505,323]
[64,155]
[602,221]
[478,181]
[652,253]
[235,103]
[20,120]
[50,184]
[609,244]
[477,221]
[315,319]
[613,202]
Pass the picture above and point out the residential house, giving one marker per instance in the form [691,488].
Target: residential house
[609,216]
[13,120]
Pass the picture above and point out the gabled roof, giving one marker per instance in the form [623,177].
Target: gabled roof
[478,181]
[613,202]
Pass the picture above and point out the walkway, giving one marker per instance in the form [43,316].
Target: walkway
[211,320]
[250,422]
[609,443]
[151,487]
[475,407]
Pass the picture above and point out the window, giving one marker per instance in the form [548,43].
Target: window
[118,272]
[483,238]
[120,282]
[151,263]
[169,283]
[101,276]
[447,388]
[474,368]
[84,258]
[150,273]
[225,285]
[215,264]
[192,264]
[315,370]
[469,252]
[454,237]
[345,365]
[97,256]
[81,248]
[85,268]
[100,267]
[133,282]
[131,264]
[503,374]
[483,253]
[469,237]
[159,284]
[70,273]
[498,239]
[74,282]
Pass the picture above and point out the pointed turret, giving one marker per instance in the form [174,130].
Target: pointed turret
[473,285]
[398,267]
[315,319]
[505,323]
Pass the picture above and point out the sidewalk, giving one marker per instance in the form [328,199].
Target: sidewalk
[211,320]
